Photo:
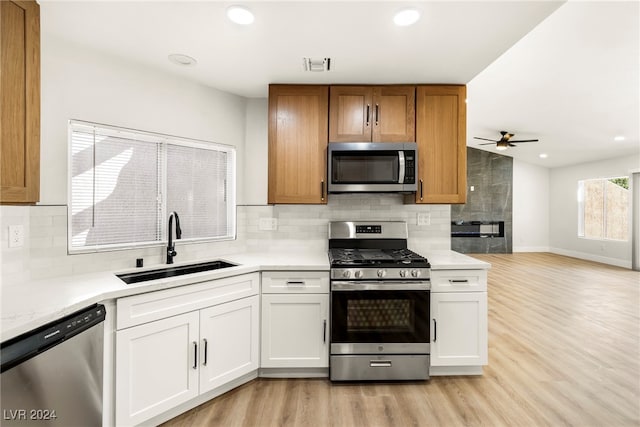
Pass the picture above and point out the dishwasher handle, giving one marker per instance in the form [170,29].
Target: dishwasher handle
[28,345]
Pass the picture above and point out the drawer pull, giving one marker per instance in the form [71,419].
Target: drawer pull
[380,363]
[458,280]
[295,282]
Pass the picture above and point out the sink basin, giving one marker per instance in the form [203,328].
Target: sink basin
[162,273]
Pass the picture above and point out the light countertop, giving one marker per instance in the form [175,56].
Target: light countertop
[29,305]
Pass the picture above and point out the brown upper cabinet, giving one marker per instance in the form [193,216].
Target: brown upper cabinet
[372,113]
[19,102]
[442,148]
[298,129]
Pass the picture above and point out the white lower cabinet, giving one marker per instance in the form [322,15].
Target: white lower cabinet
[230,342]
[458,322]
[459,329]
[166,362]
[295,321]
[295,331]
[155,367]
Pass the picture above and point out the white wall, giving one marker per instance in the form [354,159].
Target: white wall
[84,85]
[256,159]
[563,225]
[530,207]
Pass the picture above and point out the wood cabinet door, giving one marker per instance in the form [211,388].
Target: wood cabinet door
[298,134]
[19,102]
[156,367]
[295,331]
[394,114]
[229,341]
[350,113]
[442,149]
[459,329]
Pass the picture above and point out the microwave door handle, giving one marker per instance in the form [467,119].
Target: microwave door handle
[401,167]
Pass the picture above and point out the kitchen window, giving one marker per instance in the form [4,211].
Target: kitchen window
[603,208]
[123,184]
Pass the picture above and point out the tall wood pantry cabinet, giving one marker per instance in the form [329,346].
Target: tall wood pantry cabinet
[442,148]
[19,102]
[298,129]
[372,113]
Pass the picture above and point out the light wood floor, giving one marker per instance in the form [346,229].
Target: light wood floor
[564,349]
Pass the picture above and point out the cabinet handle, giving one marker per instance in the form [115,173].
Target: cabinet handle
[458,281]
[368,108]
[322,193]
[295,283]
[377,113]
[324,331]
[421,189]
[206,349]
[435,330]
[195,355]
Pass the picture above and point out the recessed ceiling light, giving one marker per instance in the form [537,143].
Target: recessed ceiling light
[406,17]
[240,15]
[619,138]
[543,155]
[180,59]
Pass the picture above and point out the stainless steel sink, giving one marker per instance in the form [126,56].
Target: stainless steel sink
[162,273]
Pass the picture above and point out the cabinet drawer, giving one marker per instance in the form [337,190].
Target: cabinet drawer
[151,306]
[295,282]
[458,280]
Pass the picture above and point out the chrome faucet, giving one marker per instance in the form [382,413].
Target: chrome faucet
[170,246]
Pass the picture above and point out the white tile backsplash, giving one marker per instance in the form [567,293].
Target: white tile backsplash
[300,227]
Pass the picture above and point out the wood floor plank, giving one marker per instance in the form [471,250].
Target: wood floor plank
[564,349]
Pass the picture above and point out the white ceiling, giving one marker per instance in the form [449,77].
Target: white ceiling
[564,73]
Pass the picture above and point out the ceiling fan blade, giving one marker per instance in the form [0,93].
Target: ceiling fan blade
[526,140]
[512,145]
[488,143]
[485,139]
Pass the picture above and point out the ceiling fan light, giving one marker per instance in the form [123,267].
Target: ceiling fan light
[502,145]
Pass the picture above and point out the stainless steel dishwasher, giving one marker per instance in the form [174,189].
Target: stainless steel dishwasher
[52,375]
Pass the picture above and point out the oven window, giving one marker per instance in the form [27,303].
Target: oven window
[379,316]
[380,167]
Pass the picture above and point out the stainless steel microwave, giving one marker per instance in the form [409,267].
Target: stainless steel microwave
[372,167]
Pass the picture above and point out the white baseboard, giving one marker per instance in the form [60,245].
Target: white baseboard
[591,257]
[531,249]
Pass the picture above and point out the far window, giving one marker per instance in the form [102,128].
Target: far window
[603,207]
[124,183]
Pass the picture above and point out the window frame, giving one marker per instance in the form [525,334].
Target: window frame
[581,211]
[163,140]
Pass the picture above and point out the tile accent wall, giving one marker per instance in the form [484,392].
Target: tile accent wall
[491,175]
[299,228]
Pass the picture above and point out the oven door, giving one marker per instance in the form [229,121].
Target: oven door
[380,318]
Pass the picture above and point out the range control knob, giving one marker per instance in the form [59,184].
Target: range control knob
[415,273]
[346,274]
[382,273]
[359,274]
[403,273]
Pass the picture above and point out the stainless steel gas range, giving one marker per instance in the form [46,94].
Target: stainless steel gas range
[380,294]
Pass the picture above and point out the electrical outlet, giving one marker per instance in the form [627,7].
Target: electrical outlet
[268,224]
[16,236]
[424,219]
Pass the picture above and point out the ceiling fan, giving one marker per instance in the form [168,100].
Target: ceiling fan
[504,142]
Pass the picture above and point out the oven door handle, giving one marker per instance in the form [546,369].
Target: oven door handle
[373,285]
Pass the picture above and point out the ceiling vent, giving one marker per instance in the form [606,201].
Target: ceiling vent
[311,64]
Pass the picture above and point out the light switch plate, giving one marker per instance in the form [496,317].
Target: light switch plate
[424,219]
[268,224]
[16,236]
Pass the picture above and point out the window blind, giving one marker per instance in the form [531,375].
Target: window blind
[124,183]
